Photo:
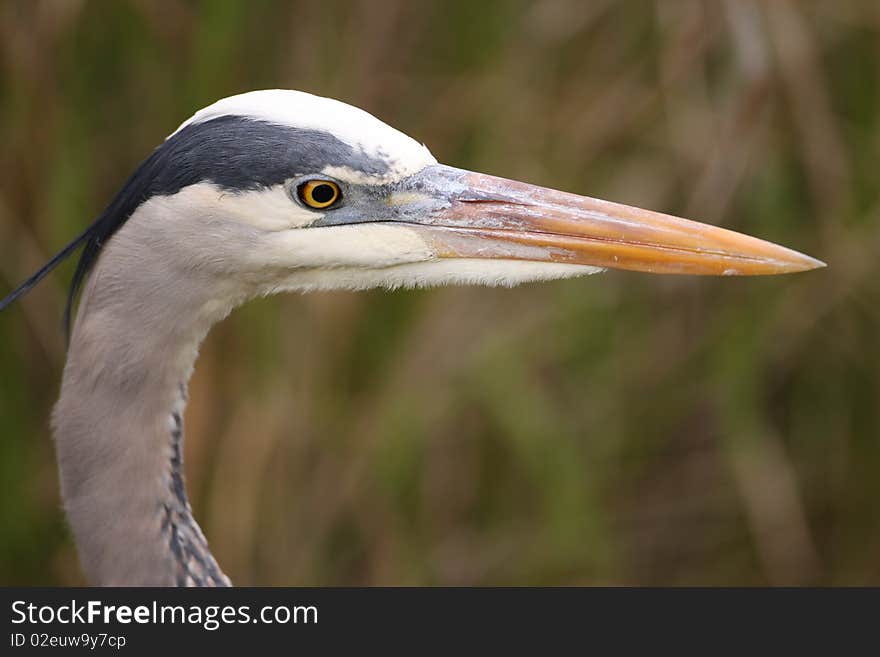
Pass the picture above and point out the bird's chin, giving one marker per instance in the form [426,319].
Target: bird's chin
[391,256]
[433,273]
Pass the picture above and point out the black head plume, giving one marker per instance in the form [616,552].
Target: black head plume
[234,152]
[37,276]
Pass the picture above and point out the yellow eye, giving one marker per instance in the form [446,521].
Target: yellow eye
[319,193]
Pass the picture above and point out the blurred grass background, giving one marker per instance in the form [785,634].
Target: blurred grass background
[619,429]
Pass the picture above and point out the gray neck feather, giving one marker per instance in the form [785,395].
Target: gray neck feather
[118,423]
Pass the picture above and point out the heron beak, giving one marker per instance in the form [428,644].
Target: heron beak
[490,217]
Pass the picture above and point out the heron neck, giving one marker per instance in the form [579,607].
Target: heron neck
[118,423]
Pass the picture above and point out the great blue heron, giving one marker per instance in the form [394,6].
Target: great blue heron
[280,190]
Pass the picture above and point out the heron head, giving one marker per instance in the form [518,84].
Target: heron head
[290,191]
[332,197]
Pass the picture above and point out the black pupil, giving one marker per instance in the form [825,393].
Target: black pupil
[323,193]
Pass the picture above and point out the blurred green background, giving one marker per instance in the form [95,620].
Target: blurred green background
[618,429]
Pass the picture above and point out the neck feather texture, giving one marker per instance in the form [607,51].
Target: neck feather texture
[118,423]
